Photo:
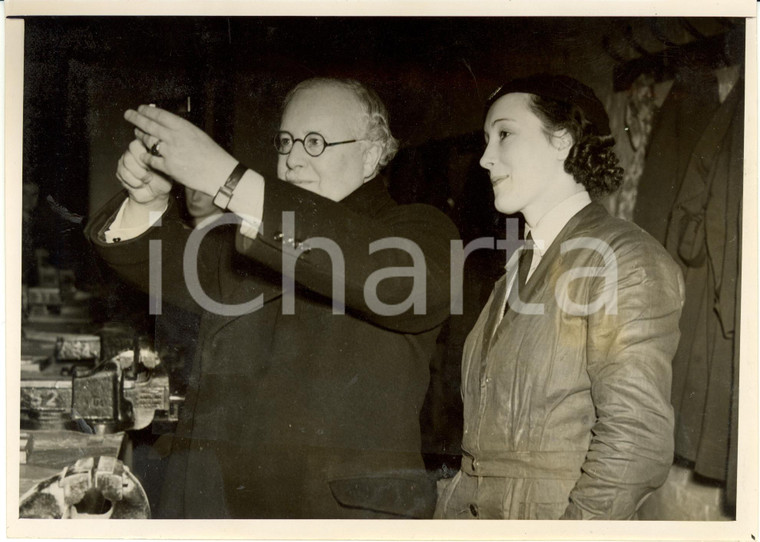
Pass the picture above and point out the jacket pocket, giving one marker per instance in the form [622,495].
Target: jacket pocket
[412,497]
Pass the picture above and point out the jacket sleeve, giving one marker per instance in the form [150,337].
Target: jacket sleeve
[630,345]
[154,261]
[392,268]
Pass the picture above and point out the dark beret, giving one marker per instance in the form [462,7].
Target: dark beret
[560,88]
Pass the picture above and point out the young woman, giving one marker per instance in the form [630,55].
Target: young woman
[566,374]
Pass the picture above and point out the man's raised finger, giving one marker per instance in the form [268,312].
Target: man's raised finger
[161,116]
[146,124]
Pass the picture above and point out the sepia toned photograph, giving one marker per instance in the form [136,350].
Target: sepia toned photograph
[389,266]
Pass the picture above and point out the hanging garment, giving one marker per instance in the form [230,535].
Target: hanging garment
[703,235]
[683,118]
[640,110]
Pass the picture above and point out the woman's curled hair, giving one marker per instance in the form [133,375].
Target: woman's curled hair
[592,161]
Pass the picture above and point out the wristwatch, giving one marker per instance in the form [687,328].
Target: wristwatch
[224,194]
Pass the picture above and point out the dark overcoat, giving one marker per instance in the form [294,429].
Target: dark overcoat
[303,407]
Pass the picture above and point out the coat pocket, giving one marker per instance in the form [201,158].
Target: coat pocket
[692,246]
[412,497]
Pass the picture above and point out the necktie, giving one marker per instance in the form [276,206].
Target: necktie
[523,267]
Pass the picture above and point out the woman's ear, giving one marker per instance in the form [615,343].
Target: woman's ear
[371,157]
[563,142]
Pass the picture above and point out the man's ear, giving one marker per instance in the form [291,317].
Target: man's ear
[371,157]
[563,142]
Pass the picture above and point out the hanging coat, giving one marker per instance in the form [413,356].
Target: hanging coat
[704,237]
[683,117]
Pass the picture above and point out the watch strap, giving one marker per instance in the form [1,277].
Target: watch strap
[224,194]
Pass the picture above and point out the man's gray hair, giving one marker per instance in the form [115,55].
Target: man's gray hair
[377,128]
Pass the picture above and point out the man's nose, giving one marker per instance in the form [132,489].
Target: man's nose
[297,155]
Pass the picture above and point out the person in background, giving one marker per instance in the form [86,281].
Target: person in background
[304,396]
[566,374]
[200,206]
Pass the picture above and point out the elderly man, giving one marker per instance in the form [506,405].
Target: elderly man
[320,308]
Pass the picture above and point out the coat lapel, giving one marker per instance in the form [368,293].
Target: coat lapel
[495,313]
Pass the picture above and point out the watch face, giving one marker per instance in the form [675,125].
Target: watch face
[223,197]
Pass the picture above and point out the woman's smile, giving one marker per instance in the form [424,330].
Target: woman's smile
[496,181]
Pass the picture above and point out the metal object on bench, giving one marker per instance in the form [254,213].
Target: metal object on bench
[129,391]
[102,488]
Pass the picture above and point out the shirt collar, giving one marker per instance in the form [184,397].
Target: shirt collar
[545,232]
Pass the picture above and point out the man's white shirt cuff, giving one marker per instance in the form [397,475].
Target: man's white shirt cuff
[116,233]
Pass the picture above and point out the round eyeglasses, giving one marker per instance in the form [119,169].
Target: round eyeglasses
[313,143]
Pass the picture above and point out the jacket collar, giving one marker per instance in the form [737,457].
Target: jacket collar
[583,222]
[580,225]
[370,197]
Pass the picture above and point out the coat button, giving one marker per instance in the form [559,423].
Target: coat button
[474,510]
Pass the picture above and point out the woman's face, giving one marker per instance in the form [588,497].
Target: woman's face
[522,162]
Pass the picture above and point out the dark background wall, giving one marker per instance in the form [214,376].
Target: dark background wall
[433,73]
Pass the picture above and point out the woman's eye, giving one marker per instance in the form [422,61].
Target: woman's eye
[503,134]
